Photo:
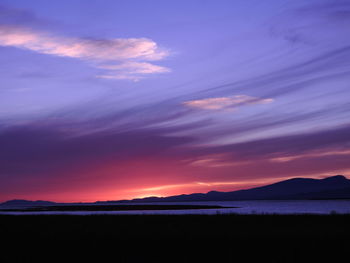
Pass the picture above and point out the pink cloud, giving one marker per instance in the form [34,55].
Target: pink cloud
[130,53]
[313,154]
[132,70]
[226,102]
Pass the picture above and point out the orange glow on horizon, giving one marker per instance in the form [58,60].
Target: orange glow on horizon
[161,178]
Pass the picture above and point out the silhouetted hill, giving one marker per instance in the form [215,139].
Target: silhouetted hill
[335,187]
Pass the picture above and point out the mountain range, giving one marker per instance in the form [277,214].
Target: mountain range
[334,187]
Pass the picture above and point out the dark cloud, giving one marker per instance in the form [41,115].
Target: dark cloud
[287,145]
[53,156]
[34,151]
[261,122]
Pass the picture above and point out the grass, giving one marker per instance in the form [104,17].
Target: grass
[176,238]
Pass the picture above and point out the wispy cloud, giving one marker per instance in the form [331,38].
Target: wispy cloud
[131,70]
[127,54]
[216,161]
[314,154]
[231,102]
[189,185]
[201,184]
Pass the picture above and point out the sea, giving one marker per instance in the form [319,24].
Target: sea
[230,207]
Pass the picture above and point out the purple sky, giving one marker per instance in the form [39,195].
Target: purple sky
[121,99]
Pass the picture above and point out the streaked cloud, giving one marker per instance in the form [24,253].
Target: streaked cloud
[231,102]
[202,184]
[128,54]
[131,70]
[189,185]
[310,155]
[44,152]
[179,135]
[216,161]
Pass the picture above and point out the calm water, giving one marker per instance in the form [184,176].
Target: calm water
[244,207]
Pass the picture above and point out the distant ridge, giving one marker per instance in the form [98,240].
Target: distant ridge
[334,187]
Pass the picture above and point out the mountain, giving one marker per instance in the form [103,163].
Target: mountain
[334,187]
[21,203]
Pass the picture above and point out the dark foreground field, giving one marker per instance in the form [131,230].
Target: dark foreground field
[193,238]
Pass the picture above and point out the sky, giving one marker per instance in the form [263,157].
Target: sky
[109,100]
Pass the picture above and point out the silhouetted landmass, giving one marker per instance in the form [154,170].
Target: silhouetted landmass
[171,238]
[335,187]
[112,208]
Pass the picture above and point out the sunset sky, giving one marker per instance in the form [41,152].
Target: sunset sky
[118,99]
